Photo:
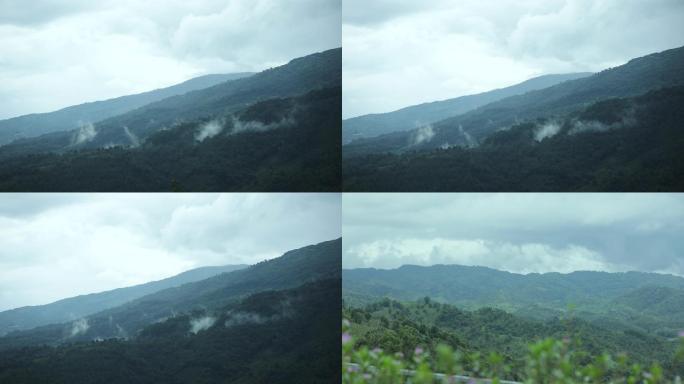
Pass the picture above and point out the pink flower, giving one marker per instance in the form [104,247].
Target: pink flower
[346,338]
[681,333]
[418,350]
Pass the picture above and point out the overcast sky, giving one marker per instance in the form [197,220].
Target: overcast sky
[57,53]
[516,232]
[54,246]
[404,52]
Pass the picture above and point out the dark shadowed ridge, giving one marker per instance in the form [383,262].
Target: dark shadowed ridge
[427,113]
[84,305]
[71,117]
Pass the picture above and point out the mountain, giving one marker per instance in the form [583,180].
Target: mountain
[655,301]
[541,296]
[69,118]
[427,113]
[622,144]
[298,77]
[77,307]
[285,336]
[292,269]
[284,145]
[638,76]
[275,321]
[278,130]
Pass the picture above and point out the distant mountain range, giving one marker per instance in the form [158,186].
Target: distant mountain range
[276,321]
[427,113]
[70,118]
[80,306]
[631,300]
[277,130]
[619,133]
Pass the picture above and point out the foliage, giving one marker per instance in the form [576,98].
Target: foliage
[398,327]
[546,361]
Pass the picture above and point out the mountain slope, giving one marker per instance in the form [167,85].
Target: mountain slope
[298,77]
[292,269]
[627,144]
[638,76]
[288,144]
[72,117]
[80,306]
[285,336]
[418,115]
[541,296]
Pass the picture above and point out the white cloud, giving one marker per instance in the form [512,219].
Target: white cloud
[519,258]
[404,53]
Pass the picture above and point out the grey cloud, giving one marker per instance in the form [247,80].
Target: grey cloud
[597,231]
[362,12]
[445,49]
[27,13]
[56,246]
[61,53]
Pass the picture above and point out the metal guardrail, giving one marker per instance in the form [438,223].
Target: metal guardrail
[445,378]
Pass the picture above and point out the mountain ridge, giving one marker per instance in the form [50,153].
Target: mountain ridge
[68,118]
[292,269]
[413,116]
[638,76]
[75,307]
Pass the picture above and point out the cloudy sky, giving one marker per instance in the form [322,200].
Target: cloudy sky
[520,233]
[60,245]
[404,52]
[56,53]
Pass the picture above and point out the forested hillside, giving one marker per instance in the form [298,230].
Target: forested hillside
[643,302]
[397,327]
[276,321]
[289,144]
[626,144]
[278,130]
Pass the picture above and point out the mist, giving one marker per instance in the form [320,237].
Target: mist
[201,324]
[85,134]
[423,135]
[79,327]
[547,130]
[209,129]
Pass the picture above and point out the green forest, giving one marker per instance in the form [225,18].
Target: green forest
[391,342]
